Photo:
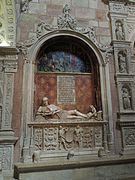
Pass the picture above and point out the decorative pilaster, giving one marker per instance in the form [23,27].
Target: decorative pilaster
[119,13]
[8,66]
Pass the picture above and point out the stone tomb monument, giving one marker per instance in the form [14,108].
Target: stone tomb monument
[56,132]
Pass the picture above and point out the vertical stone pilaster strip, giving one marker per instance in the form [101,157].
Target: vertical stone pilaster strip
[8,100]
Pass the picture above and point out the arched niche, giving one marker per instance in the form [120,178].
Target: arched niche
[30,69]
[66,57]
[97,64]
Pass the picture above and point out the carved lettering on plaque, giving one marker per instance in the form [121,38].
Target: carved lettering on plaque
[66,89]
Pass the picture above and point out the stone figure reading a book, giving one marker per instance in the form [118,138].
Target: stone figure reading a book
[51,111]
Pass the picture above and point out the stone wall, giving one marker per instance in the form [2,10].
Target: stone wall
[17,84]
[93,13]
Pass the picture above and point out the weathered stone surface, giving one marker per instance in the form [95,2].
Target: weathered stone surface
[106,18]
[36,8]
[109,172]
[80,3]
[93,4]
[87,13]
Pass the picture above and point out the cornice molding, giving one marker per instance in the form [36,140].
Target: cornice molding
[120,1]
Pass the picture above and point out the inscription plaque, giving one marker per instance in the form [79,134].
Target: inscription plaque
[66,89]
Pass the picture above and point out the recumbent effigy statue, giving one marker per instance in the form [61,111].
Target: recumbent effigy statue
[51,111]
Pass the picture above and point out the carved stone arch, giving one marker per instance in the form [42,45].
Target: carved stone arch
[7,23]
[102,61]
[30,50]
[36,46]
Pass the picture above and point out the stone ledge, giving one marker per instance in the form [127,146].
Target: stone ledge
[70,164]
[7,50]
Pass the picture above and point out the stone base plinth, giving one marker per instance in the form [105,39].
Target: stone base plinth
[109,168]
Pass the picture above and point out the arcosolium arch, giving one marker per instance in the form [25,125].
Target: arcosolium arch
[66,55]
[29,70]
[35,49]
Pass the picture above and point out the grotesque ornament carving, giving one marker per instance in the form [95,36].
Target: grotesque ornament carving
[50,138]
[38,138]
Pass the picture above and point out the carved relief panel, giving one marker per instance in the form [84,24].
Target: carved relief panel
[129,136]
[66,137]
[118,8]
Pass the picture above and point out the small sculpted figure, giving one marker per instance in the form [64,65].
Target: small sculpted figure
[122,63]
[126,98]
[119,31]
[36,156]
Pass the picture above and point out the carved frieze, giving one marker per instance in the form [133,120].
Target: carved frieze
[8,63]
[64,137]
[119,8]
